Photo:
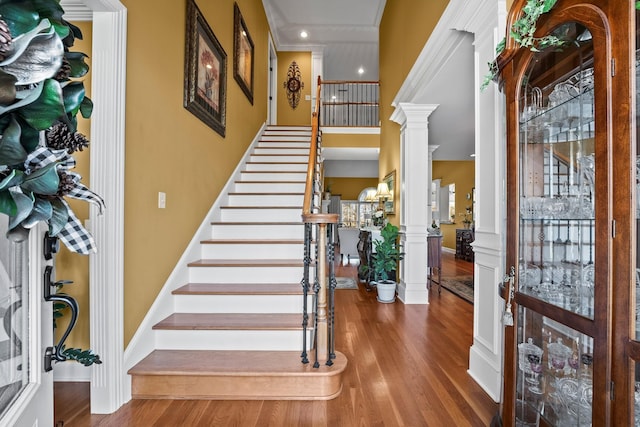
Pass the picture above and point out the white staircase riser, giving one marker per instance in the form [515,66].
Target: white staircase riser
[230,340]
[252,251]
[269,187]
[262,215]
[278,167]
[296,138]
[246,274]
[250,231]
[240,303]
[288,131]
[287,144]
[281,199]
[289,151]
[275,177]
[274,158]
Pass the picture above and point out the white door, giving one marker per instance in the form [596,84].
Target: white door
[26,330]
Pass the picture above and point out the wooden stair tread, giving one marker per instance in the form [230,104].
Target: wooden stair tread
[255,223]
[252,241]
[231,321]
[260,207]
[270,182]
[232,363]
[239,289]
[281,193]
[247,263]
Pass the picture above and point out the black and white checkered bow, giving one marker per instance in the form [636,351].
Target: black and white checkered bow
[73,234]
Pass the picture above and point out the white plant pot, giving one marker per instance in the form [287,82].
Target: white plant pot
[386,291]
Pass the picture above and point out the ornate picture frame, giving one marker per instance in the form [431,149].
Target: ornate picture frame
[243,54]
[390,180]
[205,83]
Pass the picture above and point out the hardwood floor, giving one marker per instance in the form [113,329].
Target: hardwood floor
[407,367]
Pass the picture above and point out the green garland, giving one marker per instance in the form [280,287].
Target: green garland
[522,32]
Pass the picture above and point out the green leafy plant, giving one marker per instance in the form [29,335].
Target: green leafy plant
[387,253]
[41,94]
[522,32]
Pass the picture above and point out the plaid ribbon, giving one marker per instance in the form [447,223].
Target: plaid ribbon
[73,235]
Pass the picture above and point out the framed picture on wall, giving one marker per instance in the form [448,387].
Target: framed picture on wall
[205,72]
[242,54]
[390,180]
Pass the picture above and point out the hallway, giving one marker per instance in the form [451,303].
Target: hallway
[407,367]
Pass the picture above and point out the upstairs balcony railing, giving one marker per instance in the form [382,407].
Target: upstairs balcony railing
[350,103]
[319,253]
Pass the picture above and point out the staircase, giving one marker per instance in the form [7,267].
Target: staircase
[236,329]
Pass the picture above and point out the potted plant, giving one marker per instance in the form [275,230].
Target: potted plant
[385,261]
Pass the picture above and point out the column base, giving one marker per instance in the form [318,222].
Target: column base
[413,294]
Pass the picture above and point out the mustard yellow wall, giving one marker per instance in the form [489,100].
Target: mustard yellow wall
[69,265]
[350,188]
[404,29]
[169,149]
[301,115]
[460,173]
[350,140]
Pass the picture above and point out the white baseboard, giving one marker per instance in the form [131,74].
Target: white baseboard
[71,372]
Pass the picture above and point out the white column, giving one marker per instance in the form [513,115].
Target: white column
[485,356]
[109,381]
[432,148]
[415,195]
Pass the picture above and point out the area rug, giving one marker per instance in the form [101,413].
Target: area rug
[346,283]
[462,286]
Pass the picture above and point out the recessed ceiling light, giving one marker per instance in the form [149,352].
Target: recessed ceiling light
[360,70]
[304,34]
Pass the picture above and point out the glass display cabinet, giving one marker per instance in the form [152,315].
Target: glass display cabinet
[570,290]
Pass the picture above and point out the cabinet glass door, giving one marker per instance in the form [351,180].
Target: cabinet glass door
[557,246]
[557,251]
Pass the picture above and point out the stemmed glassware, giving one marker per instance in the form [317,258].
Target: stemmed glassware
[536,367]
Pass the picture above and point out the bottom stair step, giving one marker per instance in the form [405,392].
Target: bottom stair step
[234,375]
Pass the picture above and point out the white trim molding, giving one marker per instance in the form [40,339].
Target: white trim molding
[106,295]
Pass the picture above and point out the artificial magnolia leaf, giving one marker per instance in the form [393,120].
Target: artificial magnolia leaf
[42,211]
[7,205]
[47,109]
[59,217]
[11,151]
[35,56]
[79,68]
[73,95]
[7,88]
[19,16]
[30,137]
[16,177]
[42,181]
[24,205]
[86,108]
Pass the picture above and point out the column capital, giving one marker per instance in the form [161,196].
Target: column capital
[408,113]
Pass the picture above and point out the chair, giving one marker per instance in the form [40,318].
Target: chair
[348,243]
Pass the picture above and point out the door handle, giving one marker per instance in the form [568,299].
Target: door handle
[55,352]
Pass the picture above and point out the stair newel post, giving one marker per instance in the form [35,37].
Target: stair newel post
[321,313]
[332,289]
[305,289]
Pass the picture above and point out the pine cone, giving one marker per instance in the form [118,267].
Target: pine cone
[66,183]
[59,138]
[64,71]
[5,40]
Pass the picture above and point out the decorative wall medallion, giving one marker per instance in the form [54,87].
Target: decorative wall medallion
[293,85]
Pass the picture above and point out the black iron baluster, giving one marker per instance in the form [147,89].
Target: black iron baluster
[305,290]
[332,288]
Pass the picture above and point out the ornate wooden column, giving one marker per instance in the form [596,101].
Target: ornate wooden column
[415,195]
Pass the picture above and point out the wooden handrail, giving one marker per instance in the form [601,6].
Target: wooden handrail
[307,207]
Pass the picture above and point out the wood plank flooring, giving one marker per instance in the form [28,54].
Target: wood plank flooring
[407,367]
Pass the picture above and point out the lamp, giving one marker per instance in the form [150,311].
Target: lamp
[383,193]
